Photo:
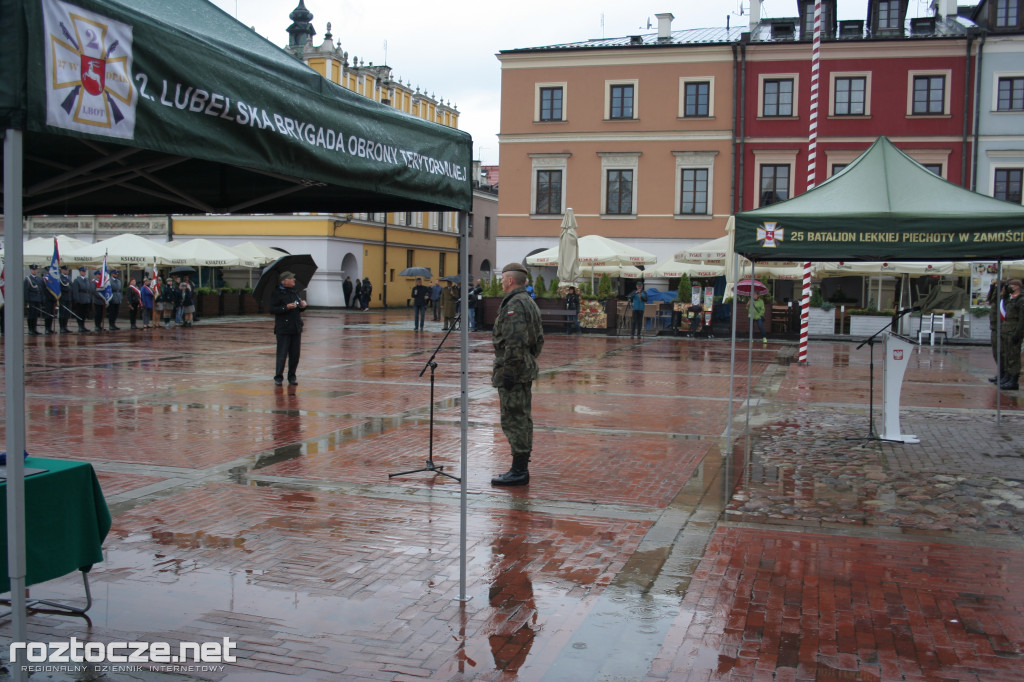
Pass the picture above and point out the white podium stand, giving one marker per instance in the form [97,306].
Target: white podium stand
[897,354]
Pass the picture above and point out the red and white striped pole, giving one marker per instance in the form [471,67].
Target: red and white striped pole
[812,154]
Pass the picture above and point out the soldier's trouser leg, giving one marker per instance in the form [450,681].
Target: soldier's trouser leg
[1010,360]
[517,418]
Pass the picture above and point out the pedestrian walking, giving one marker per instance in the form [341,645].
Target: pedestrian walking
[518,339]
[420,301]
[435,300]
[475,302]
[357,295]
[134,296]
[637,300]
[99,303]
[1012,335]
[346,291]
[286,306]
[572,305]
[449,301]
[367,292]
[33,299]
[147,300]
[81,298]
[755,311]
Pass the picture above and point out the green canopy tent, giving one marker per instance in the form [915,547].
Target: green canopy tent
[149,106]
[883,207]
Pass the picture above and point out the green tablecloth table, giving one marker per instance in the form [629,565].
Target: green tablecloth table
[66,520]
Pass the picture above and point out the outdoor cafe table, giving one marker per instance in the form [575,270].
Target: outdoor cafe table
[66,520]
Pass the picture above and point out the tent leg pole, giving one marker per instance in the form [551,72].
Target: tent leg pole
[14,390]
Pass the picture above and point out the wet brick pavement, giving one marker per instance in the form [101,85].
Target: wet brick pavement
[640,551]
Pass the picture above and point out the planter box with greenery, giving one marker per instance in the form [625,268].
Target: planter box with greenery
[249,305]
[229,301]
[207,302]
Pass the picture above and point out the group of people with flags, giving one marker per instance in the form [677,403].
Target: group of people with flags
[58,296]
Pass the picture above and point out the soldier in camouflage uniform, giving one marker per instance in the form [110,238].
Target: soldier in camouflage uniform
[518,340]
[1012,334]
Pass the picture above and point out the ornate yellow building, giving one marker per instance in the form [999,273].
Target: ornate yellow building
[356,245]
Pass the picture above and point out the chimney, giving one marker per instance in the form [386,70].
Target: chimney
[755,14]
[664,26]
[944,8]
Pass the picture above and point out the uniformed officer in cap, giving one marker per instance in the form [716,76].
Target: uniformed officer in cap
[518,340]
[33,298]
[81,295]
[64,304]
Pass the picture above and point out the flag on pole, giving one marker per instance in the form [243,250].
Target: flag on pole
[52,276]
[103,286]
[155,285]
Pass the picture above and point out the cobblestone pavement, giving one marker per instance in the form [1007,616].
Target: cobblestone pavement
[643,549]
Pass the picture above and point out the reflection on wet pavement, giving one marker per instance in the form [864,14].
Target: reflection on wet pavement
[638,552]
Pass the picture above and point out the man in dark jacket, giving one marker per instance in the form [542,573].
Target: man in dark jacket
[1012,334]
[114,304]
[81,297]
[367,293]
[64,304]
[346,290]
[33,298]
[518,339]
[286,306]
[420,300]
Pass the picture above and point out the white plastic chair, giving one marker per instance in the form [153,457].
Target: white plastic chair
[932,325]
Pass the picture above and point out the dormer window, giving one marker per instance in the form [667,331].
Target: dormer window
[888,15]
[1007,13]
[783,30]
[808,21]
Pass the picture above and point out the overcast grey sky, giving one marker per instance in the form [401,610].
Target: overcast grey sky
[448,48]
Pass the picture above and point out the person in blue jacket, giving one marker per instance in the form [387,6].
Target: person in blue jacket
[637,299]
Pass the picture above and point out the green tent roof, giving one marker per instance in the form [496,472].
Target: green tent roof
[149,106]
[883,206]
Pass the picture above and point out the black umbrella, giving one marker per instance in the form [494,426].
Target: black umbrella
[452,278]
[183,270]
[416,272]
[301,264]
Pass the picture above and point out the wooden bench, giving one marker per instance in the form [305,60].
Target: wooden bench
[559,320]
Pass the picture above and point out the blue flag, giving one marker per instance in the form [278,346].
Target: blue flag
[52,276]
[104,284]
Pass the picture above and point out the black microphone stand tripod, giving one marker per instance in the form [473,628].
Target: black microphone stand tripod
[871,341]
[429,465]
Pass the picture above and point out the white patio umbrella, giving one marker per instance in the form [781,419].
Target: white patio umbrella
[597,250]
[671,268]
[206,253]
[568,250]
[126,249]
[262,255]
[867,268]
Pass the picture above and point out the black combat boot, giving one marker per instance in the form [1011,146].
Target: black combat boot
[1009,383]
[519,474]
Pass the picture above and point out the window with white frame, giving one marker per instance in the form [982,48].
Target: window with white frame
[619,183]
[550,102]
[1006,184]
[850,94]
[1010,93]
[928,93]
[776,95]
[696,97]
[935,160]
[547,190]
[621,100]
[773,170]
[694,183]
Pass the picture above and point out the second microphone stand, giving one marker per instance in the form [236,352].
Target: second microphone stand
[429,465]
[871,341]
